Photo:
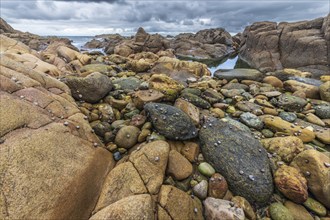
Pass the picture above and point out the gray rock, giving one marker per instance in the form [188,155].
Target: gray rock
[251,120]
[222,209]
[200,190]
[91,88]
[130,83]
[196,100]
[239,157]
[170,121]
[323,111]
[310,81]
[291,103]
[240,74]
[288,116]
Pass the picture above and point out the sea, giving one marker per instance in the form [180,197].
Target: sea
[80,41]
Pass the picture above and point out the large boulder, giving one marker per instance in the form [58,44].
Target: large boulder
[171,122]
[49,166]
[269,46]
[239,157]
[91,88]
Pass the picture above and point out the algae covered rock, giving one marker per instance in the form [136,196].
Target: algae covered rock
[171,122]
[279,212]
[239,157]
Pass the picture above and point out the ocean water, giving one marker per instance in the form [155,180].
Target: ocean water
[80,41]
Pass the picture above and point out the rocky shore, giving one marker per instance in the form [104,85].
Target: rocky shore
[140,133]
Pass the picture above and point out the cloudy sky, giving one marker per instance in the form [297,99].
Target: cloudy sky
[92,17]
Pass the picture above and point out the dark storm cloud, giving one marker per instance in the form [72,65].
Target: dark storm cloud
[125,16]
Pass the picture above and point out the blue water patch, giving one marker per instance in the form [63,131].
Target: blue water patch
[227,64]
[80,41]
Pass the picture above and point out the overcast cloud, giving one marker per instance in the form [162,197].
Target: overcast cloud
[92,17]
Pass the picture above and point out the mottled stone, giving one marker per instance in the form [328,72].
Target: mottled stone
[313,164]
[285,147]
[225,147]
[291,183]
[216,209]
[171,122]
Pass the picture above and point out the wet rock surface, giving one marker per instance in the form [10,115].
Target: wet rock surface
[225,146]
[171,122]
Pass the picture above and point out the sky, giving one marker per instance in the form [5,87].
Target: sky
[93,17]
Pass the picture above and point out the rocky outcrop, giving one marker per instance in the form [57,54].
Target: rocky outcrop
[142,42]
[205,44]
[49,166]
[304,45]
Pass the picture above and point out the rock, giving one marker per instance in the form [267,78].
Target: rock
[245,205]
[190,151]
[168,86]
[173,67]
[178,166]
[291,183]
[91,88]
[285,147]
[121,182]
[216,209]
[150,162]
[138,66]
[132,207]
[129,83]
[142,97]
[208,45]
[101,68]
[191,110]
[325,91]
[309,90]
[316,171]
[206,169]
[323,111]
[212,96]
[240,74]
[315,207]
[251,120]
[196,100]
[279,212]
[200,190]
[274,81]
[270,46]
[310,117]
[288,116]
[291,103]
[297,211]
[48,170]
[178,205]
[171,122]
[224,146]
[127,136]
[218,186]
[279,125]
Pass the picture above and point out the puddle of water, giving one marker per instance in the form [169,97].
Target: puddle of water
[227,63]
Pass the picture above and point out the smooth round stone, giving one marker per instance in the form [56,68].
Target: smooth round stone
[251,120]
[322,111]
[206,169]
[218,186]
[200,190]
[117,156]
[279,212]
[288,116]
[315,206]
[127,136]
[267,133]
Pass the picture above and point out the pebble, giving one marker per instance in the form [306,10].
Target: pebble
[206,169]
